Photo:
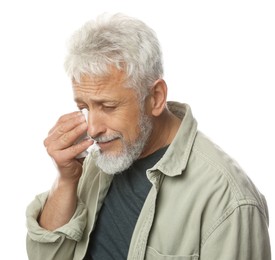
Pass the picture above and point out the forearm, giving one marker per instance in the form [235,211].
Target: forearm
[57,244]
[60,206]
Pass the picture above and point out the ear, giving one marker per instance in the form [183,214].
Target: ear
[158,96]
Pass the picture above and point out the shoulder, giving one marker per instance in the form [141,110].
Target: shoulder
[219,165]
[212,186]
[223,182]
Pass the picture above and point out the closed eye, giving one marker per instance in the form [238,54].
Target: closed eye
[108,108]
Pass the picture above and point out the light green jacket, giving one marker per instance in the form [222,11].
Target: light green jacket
[201,206]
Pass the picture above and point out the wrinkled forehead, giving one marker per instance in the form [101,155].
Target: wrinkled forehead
[111,73]
[111,87]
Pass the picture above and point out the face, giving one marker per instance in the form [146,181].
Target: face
[116,119]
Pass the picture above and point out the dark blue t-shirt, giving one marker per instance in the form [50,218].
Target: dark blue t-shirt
[120,211]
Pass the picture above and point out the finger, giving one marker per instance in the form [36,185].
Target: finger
[64,119]
[70,137]
[66,155]
[62,127]
[65,136]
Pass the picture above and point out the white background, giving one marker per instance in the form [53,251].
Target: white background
[219,57]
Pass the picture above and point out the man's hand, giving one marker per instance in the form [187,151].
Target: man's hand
[62,147]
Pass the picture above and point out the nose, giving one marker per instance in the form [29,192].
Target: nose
[96,125]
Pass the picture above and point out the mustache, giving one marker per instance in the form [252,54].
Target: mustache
[105,139]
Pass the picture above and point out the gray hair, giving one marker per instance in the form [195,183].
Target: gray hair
[124,42]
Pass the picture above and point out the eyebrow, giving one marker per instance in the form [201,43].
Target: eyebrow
[97,101]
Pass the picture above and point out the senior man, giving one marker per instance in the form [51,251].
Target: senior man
[157,188]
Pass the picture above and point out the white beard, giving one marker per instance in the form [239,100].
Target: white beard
[112,164]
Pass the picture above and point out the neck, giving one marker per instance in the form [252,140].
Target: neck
[165,128]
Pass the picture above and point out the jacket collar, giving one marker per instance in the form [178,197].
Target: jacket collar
[175,159]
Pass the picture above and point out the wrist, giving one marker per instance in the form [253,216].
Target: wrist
[65,185]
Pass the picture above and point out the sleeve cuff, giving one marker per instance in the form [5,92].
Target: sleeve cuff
[72,230]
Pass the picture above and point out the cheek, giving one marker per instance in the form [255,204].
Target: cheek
[128,126]
[133,130]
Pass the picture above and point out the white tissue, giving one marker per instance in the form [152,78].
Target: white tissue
[85,113]
[94,148]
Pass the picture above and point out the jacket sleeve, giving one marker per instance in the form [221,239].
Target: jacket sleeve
[240,235]
[57,244]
